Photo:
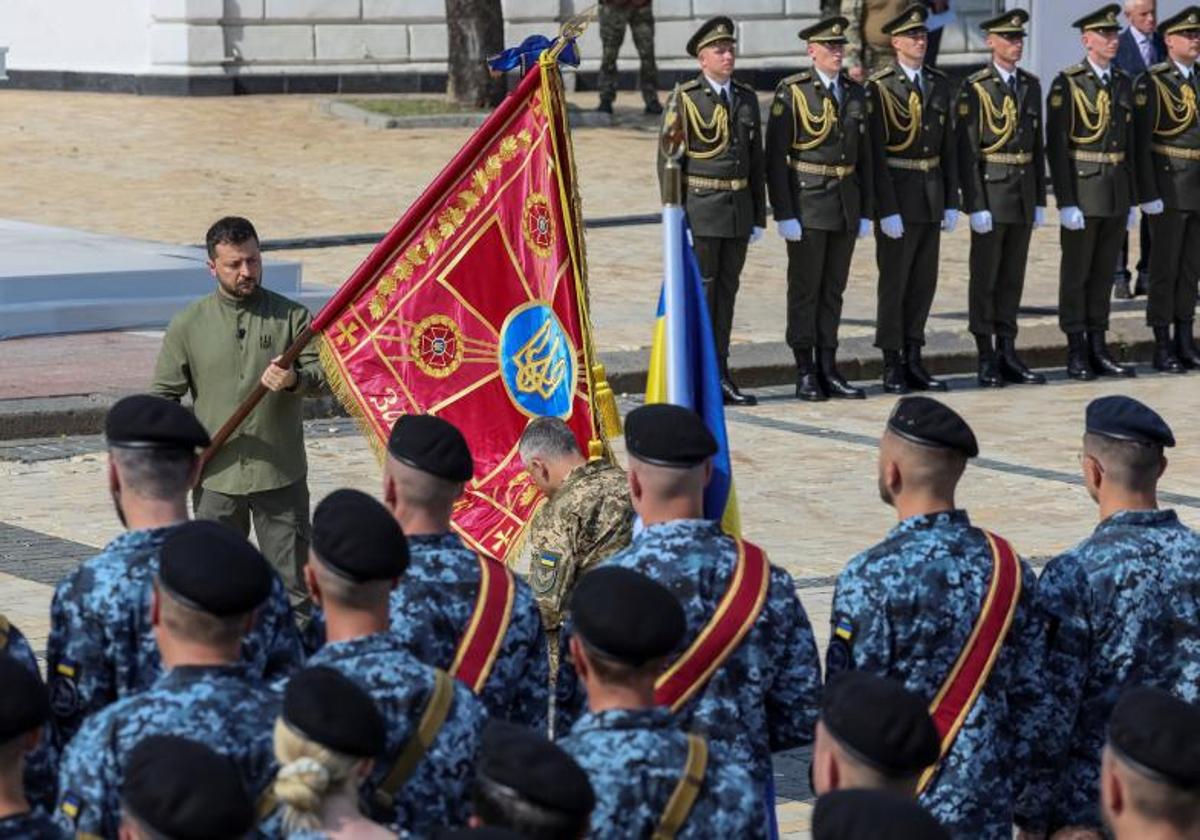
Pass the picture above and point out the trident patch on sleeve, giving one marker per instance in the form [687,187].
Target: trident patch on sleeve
[544,571]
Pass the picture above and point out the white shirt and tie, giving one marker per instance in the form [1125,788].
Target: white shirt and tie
[831,85]
[1104,74]
[1144,44]
[724,92]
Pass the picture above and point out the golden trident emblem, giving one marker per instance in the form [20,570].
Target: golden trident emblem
[540,368]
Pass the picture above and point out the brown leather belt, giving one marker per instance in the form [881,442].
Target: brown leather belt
[1175,152]
[722,184]
[828,170]
[1095,157]
[1011,158]
[915,164]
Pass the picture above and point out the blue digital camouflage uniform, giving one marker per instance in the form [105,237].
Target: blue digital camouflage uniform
[33,825]
[635,758]
[904,609]
[41,765]
[224,707]
[1121,608]
[438,792]
[765,696]
[432,607]
[101,644]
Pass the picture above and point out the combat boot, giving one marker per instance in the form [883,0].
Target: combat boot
[1185,345]
[831,381]
[808,383]
[1011,366]
[1102,361]
[1165,359]
[989,370]
[730,393]
[919,378]
[893,373]
[1077,358]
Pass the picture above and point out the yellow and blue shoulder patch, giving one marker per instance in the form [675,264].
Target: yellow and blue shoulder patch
[64,688]
[841,645]
[544,573]
[843,628]
[70,805]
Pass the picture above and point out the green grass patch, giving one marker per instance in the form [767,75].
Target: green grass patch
[411,107]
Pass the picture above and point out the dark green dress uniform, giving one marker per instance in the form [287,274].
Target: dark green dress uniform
[1167,128]
[819,173]
[1088,143]
[724,185]
[1002,165]
[916,177]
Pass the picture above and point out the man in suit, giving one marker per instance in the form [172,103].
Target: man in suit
[1140,47]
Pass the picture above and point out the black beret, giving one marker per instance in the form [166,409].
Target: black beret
[668,435]
[719,28]
[537,770]
[358,538]
[831,30]
[185,790]
[910,20]
[24,703]
[146,422]
[1011,22]
[626,616]
[880,722]
[1188,20]
[926,421]
[433,445]
[1124,418]
[1158,733]
[863,814]
[212,568]
[1104,18]
[329,708]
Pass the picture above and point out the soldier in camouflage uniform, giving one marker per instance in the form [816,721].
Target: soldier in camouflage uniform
[763,698]
[210,581]
[635,754]
[638,15]
[868,48]
[24,710]
[101,644]
[587,516]
[905,608]
[41,763]
[427,467]
[1119,609]
[358,553]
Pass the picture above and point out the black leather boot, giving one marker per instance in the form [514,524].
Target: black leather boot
[1165,359]
[1102,361]
[1121,287]
[919,378]
[1185,345]
[730,393]
[1077,358]
[831,380]
[989,369]
[894,380]
[808,383]
[1011,366]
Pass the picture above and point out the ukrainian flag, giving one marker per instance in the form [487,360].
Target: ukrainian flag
[683,360]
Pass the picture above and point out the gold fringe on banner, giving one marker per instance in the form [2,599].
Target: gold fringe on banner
[342,393]
[606,402]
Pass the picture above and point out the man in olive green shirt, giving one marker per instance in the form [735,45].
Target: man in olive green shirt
[219,349]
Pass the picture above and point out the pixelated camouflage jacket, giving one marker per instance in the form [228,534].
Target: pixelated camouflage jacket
[635,758]
[1121,608]
[41,765]
[32,825]
[904,610]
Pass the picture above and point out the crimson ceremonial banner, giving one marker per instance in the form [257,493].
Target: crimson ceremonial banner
[474,308]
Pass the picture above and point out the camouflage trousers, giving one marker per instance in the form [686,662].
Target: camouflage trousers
[640,21]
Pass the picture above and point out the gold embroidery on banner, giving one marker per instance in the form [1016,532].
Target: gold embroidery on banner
[539,370]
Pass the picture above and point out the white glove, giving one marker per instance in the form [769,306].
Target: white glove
[1152,208]
[981,222]
[1039,216]
[1071,218]
[949,220]
[790,229]
[1131,222]
[892,226]
[864,227]
[756,234]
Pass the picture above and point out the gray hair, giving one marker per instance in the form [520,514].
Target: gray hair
[548,437]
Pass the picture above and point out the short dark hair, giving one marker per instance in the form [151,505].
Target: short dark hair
[502,807]
[1129,463]
[230,230]
[160,474]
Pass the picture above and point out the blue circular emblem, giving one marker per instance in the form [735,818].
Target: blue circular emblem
[537,361]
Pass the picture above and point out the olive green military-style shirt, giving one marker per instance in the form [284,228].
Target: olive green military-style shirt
[217,350]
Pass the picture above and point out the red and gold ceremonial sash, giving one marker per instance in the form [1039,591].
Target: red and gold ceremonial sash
[961,689]
[480,644]
[735,615]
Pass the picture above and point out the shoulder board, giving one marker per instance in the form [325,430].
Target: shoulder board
[795,78]
[1026,76]
[881,74]
[690,85]
[1118,72]
[744,86]
[1075,69]
[933,71]
[850,84]
[980,75]
[1161,67]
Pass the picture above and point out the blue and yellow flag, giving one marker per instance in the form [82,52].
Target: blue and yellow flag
[683,361]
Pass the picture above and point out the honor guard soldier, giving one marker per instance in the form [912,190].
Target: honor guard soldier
[1089,136]
[916,195]
[820,181]
[750,675]
[872,815]
[1002,163]
[650,776]
[101,644]
[1118,609]
[723,178]
[423,769]
[41,771]
[1168,178]
[947,609]
[454,609]
[24,710]
[1151,779]
[210,581]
